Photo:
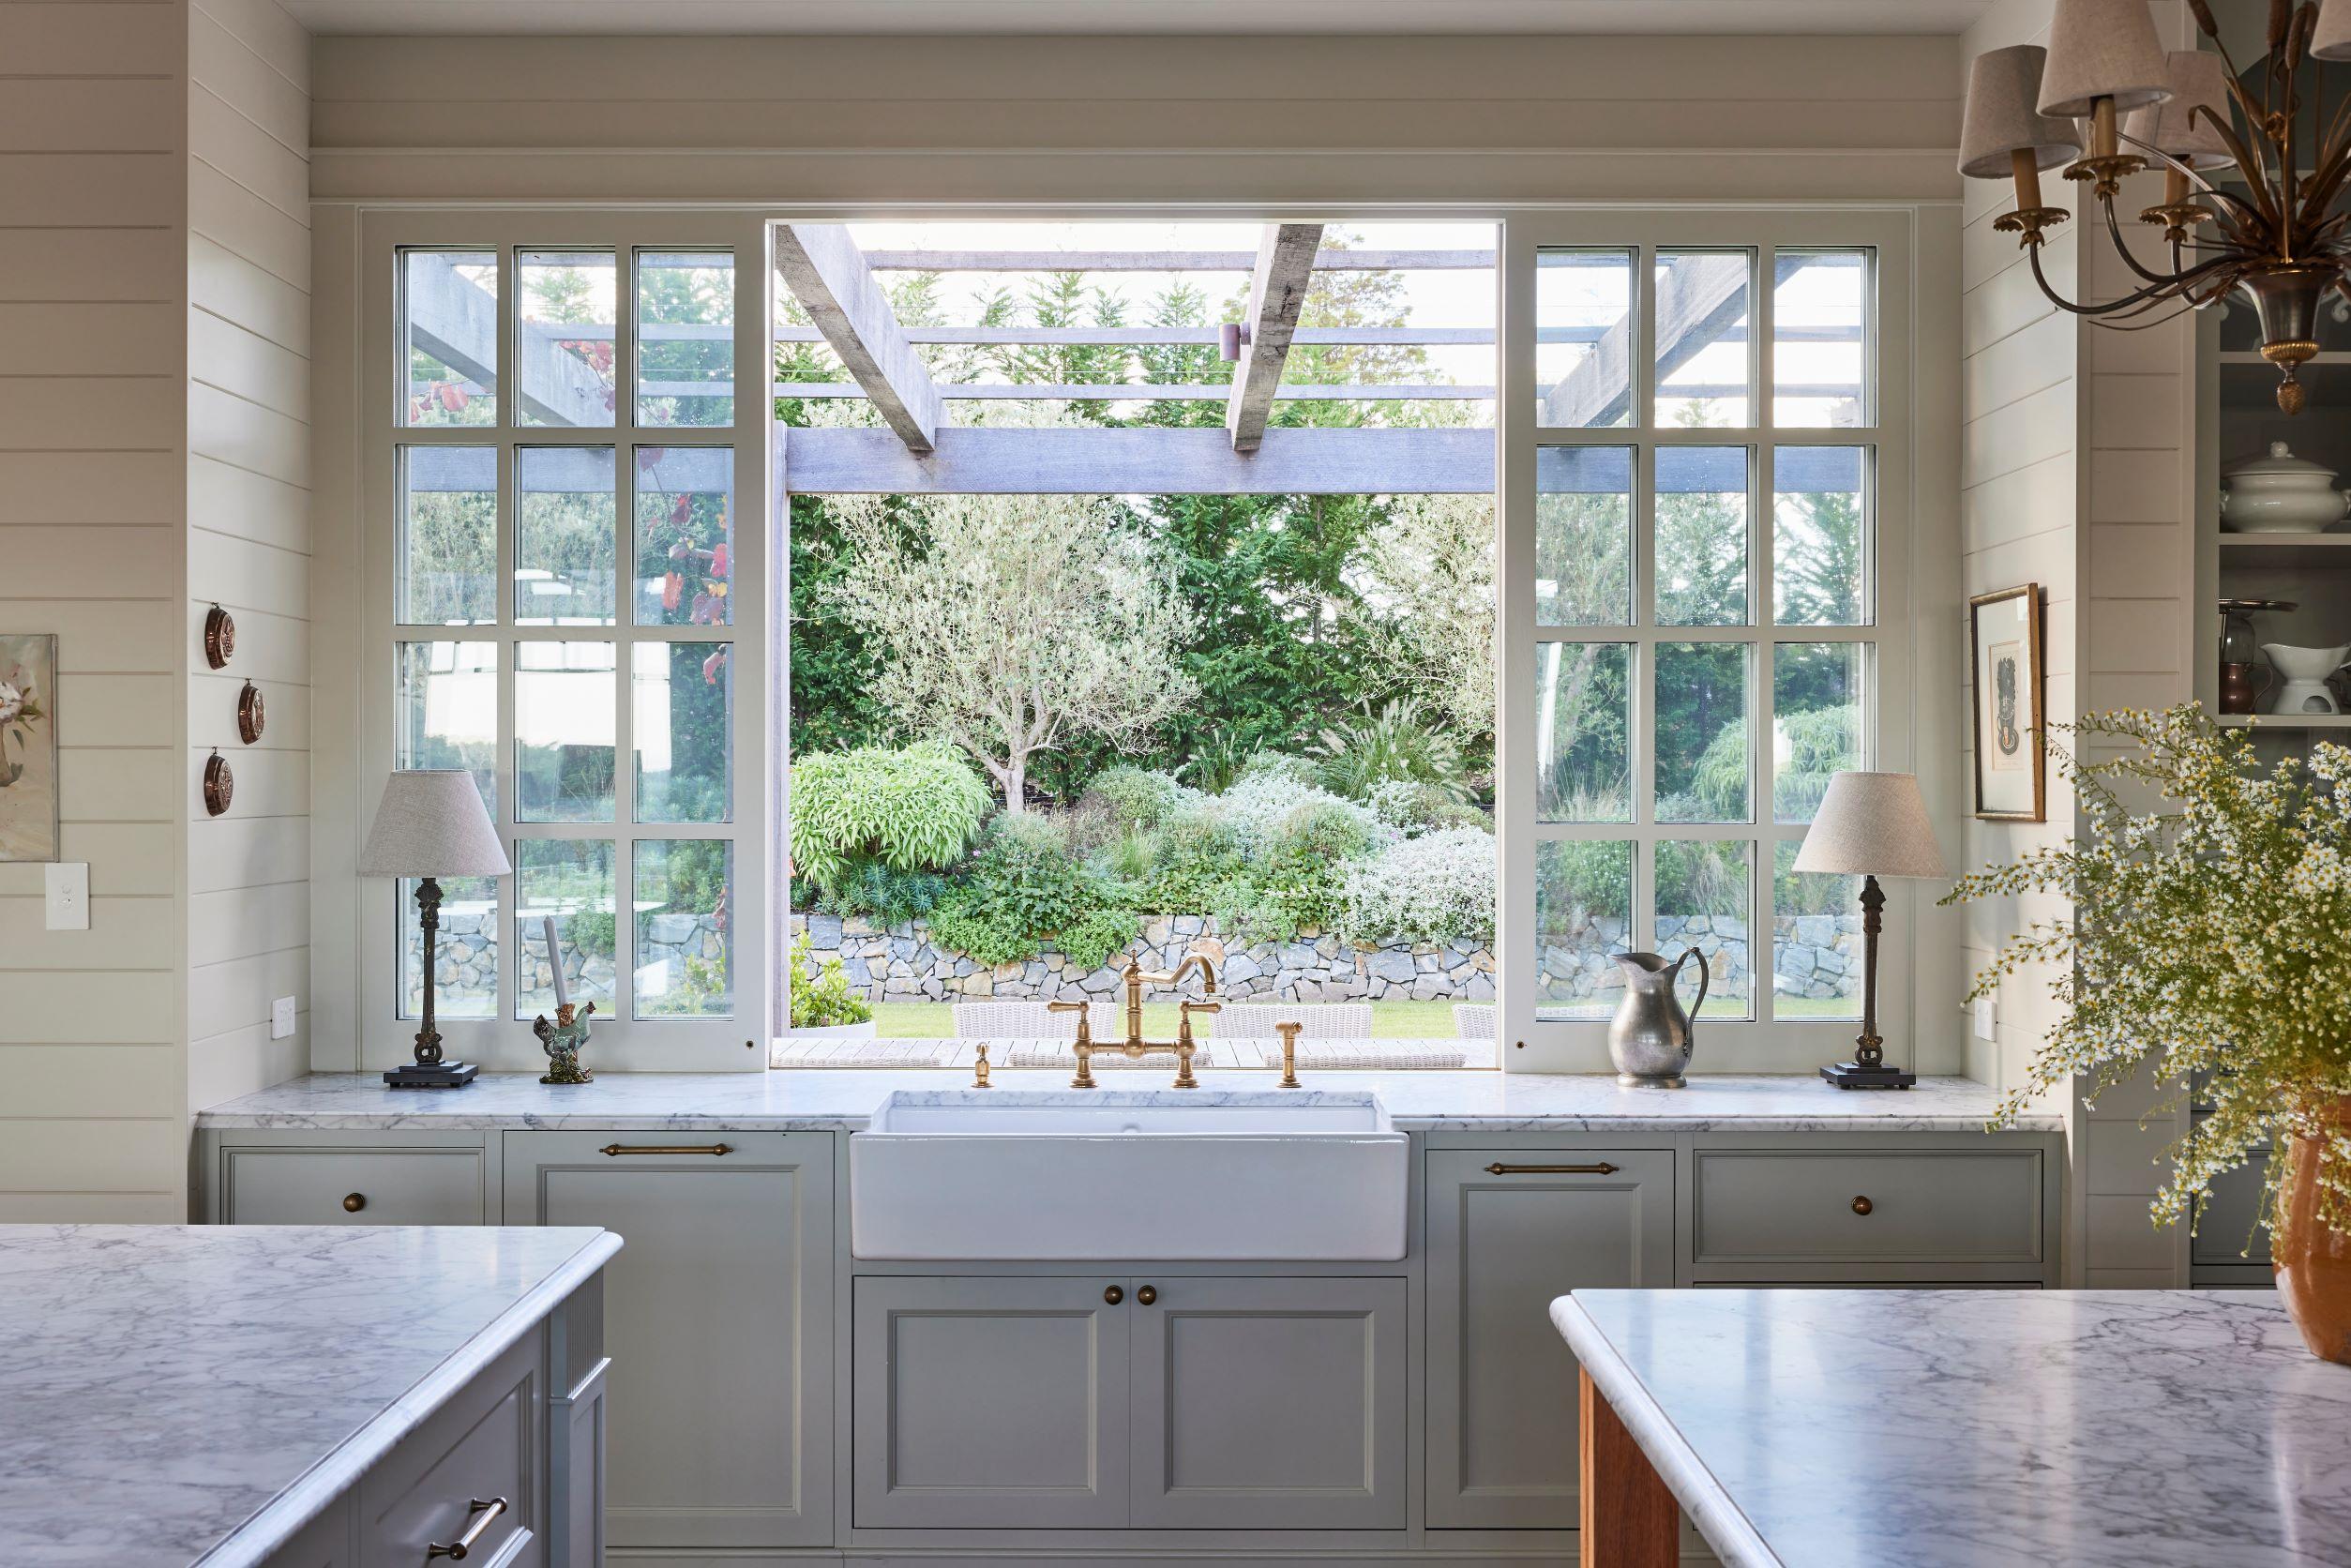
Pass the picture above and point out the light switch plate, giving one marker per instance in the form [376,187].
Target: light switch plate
[281,1018]
[1984,1019]
[67,884]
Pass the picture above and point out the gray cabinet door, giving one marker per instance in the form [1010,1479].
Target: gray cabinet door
[1502,1384]
[1270,1404]
[350,1186]
[719,1320]
[990,1403]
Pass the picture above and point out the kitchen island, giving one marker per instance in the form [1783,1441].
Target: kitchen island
[232,1395]
[1958,1429]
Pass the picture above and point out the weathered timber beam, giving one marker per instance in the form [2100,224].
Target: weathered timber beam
[1150,391]
[1167,261]
[829,276]
[981,461]
[1278,291]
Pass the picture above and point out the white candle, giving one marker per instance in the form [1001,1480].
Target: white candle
[555,962]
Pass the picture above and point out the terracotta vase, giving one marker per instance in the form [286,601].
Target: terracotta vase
[2311,1259]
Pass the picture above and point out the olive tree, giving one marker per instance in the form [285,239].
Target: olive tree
[1012,625]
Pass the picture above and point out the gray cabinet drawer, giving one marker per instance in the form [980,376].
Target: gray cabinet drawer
[479,1449]
[2227,1228]
[351,1186]
[1846,1212]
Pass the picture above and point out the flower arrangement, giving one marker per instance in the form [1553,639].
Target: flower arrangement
[2212,941]
[20,710]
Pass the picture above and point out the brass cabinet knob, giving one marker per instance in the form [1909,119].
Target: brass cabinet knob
[1863,1205]
[1114,1295]
[353,1202]
[1148,1294]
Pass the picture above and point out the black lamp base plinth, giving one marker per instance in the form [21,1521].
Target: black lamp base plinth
[437,1075]
[1871,1074]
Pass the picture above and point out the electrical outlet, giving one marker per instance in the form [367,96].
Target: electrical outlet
[67,884]
[281,1018]
[1984,1019]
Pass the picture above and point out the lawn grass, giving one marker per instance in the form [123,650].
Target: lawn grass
[1390,1021]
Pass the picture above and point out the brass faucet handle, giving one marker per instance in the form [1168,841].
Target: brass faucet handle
[1288,1031]
[1084,1042]
[979,1067]
[1187,1007]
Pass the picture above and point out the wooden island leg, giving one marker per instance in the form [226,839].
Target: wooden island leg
[1629,1518]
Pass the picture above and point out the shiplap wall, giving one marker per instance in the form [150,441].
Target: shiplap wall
[93,291]
[249,536]
[2079,474]
[1324,119]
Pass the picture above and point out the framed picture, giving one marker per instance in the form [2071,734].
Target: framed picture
[2012,750]
[28,746]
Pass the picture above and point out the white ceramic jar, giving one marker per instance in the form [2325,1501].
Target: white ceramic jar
[2279,493]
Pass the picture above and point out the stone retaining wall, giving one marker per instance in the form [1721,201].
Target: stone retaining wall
[900,963]
[1815,957]
[467,951]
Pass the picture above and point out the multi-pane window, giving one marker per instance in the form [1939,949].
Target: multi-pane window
[562,620]
[1705,631]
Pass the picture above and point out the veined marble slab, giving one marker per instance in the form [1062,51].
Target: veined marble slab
[1981,1429]
[176,1394]
[808,1099]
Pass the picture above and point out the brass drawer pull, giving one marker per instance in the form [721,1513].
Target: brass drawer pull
[355,1202]
[1600,1167]
[617,1149]
[1863,1206]
[1148,1294]
[1114,1295]
[481,1513]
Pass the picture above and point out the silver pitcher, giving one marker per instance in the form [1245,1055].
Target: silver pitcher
[1649,1039]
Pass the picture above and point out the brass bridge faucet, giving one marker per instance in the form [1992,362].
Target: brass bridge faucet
[1205,955]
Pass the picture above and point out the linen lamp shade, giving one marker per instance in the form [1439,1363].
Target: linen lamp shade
[2003,85]
[1871,824]
[432,824]
[2331,38]
[2172,127]
[2102,48]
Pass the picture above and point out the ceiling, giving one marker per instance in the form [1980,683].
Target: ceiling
[1045,17]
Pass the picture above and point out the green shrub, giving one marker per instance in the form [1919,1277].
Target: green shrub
[1820,742]
[591,932]
[1437,888]
[1137,797]
[1132,856]
[1025,887]
[1412,807]
[917,808]
[889,895]
[1094,940]
[1396,744]
[822,1000]
[1200,859]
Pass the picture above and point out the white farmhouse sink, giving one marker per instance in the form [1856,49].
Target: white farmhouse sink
[1161,1175]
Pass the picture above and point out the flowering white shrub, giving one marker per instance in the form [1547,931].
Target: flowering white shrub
[1434,888]
[1256,805]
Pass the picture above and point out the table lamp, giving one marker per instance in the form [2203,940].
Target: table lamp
[1871,825]
[431,825]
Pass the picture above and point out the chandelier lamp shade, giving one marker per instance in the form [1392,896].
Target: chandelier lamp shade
[2251,194]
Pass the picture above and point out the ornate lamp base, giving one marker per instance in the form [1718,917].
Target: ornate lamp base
[1868,1069]
[443,1075]
[1860,1075]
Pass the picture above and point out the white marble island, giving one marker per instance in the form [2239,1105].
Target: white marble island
[207,1394]
[1959,1429]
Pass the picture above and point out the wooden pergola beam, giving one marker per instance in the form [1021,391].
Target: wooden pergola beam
[1167,261]
[1148,461]
[829,275]
[1278,291]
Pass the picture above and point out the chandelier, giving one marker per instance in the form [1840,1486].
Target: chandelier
[2106,102]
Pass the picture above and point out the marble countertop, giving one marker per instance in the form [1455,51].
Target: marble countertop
[176,1394]
[1981,1429]
[837,1099]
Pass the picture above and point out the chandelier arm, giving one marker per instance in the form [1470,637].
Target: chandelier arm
[2144,326]
[2249,157]
[2122,247]
[2152,291]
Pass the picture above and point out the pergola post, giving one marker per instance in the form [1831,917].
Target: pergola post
[1278,291]
[828,275]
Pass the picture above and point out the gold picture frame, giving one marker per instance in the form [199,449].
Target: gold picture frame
[31,817]
[2010,753]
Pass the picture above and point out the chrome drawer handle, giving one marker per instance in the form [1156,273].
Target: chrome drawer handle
[1601,1167]
[616,1149]
[481,1513]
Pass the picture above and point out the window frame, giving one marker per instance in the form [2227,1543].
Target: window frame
[1763,1043]
[625,1041]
